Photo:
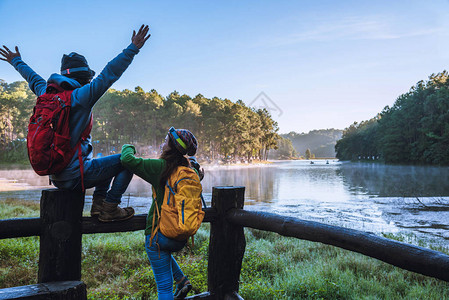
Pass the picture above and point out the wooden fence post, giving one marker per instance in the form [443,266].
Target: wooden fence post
[60,239]
[226,246]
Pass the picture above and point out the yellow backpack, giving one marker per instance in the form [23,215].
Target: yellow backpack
[181,211]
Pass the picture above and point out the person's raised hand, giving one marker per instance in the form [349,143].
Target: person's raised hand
[8,55]
[141,36]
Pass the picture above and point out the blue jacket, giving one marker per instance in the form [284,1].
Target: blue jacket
[83,100]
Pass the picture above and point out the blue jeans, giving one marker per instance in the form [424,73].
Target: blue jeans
[165,268]
[99,173]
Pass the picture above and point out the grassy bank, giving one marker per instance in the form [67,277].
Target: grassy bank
[115,266]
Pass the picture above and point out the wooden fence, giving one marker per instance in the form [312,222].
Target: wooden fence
[61,227]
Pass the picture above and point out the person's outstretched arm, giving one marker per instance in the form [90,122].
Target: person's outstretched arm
[36,83]
[147,169]
[89,94]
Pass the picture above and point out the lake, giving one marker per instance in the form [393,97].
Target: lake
[365,196]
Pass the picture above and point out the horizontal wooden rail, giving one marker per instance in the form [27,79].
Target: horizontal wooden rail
[14,228]
[138,222]
[413,258]
[49,290]
[92,225]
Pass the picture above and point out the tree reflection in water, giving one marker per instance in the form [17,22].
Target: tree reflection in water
[394,180]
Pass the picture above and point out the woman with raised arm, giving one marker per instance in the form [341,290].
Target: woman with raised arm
[178,143]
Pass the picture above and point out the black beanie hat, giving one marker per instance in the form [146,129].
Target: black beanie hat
[75,65]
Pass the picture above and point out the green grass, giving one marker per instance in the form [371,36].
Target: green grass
[115,266]
[12,208]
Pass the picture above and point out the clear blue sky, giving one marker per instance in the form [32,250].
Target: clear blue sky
[325,64]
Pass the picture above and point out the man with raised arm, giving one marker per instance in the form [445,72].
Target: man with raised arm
[83,171]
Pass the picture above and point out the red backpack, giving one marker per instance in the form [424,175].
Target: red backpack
[48,139]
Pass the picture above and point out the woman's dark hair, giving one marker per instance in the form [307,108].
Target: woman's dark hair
[173,158]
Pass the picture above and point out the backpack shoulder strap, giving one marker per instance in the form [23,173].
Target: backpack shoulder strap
[203,201]
[155,228]
[66,95]
[171,191]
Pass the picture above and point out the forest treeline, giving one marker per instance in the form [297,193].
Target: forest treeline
[226,131]
[320,142]
[414,130]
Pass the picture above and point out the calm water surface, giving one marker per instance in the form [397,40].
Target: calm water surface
[364,196]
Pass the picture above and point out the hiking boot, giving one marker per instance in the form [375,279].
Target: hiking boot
[97,205]
[182,289]
[111,213]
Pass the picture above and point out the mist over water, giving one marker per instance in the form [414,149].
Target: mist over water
[364,196]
